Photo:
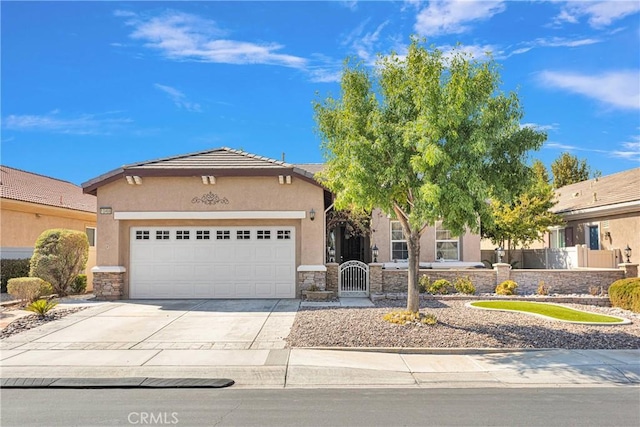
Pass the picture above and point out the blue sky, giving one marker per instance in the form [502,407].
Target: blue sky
[90,86]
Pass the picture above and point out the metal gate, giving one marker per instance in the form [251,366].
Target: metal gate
[353,279]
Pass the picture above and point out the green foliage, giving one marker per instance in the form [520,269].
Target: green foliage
[28,289]
[12,268]
[568,169]
[59,256]
[41,307]
[79,285]
[424,283]
[508,287]
[526,218]
[543,289]
[464,286]
[423,137]
[404,317]
[440,286]
[625,293]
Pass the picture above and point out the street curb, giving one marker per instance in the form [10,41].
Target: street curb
[131,382]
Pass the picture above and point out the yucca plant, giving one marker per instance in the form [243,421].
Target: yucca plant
[41,307]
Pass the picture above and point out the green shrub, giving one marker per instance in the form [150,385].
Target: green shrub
[464,286]
[79,285]
[41,307]
[12,268]
[440,286]
[59,256]
[543,289]
[625,293]
[403,317]
[423,284]
[508,287]
[28,289]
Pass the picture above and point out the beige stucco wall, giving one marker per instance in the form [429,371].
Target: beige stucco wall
[175,194]
[381,237]
[22,222]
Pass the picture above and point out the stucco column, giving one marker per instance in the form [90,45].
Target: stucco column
[375,278]
[108,282]
[503,272]
[630,270]
[332,277]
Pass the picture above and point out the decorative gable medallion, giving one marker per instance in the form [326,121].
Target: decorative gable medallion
[210,198]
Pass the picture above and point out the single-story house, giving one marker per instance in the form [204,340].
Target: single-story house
[32,203]
[602,213]
[224,223]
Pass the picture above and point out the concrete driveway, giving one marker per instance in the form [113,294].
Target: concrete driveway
[167,324]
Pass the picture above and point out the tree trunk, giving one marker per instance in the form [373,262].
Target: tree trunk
[413,295]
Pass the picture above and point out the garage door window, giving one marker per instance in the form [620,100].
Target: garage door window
[284,234]
[202,235]
[223,235]
[264,234]
[162,234]
[142,235]
[243,235]
[182,235]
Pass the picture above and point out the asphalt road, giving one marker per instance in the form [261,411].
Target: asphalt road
[601,406]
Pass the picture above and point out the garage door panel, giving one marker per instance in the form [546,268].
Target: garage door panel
[212,262]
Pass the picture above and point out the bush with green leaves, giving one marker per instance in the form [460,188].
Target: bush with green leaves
[508,287]
[440,286]
[406,317]
[59,256]
[625,293]
[79,285]
[464,286]
[423,284]
[12,268]
[41,307]
[28,289]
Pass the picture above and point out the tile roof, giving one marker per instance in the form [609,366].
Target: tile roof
[219,158]
[312,168]
[16,184]
[607,190]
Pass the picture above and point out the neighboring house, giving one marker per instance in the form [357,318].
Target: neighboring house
[602,213]
[228,224]
[32,203]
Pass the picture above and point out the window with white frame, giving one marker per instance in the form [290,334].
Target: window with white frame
[91,235]
[399,249]
[447,245]
[556,238]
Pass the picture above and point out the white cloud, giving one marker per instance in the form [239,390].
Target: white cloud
[552,126]
[186,37]
[85,124]
[628,151]
[364,43]
[479,52]
[178,98]
[620,89]
[443,17]
[599,14]
[553,42]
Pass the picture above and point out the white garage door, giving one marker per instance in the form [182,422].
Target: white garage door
[212,262]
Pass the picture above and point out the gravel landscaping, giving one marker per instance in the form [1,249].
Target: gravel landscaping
[33,320]
[458,327]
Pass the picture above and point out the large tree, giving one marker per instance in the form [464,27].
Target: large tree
[525,219]
[568,169]
[424,137]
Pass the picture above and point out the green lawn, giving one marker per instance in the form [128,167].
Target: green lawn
[549,310]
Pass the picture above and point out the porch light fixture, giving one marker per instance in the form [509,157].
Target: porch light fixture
[627,253]
[374,251]
[332,254]
[312,214]
[499,254]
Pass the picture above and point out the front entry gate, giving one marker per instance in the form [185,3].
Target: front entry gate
[353,279]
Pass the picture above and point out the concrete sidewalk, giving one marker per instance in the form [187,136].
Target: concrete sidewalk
[34,354]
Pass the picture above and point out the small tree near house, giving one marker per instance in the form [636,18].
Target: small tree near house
[59,256]
[424,137]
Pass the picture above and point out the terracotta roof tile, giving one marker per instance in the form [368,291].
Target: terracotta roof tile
[16,184]
[604,191]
